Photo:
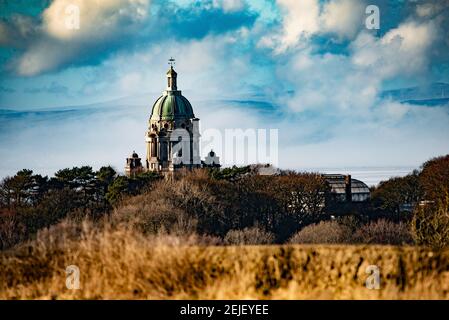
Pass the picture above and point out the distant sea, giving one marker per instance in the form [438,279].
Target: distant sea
[370,175]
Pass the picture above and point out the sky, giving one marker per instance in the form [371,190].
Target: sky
[309,68]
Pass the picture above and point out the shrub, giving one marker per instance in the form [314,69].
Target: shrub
[248,236]
[384,232]
[434,178]
[353,221]
[430,224]
[281,204]
[11,231]
[119,263]
[323,232]
[152,215]
[390,195]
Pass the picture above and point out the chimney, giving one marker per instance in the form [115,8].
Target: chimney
[348,188]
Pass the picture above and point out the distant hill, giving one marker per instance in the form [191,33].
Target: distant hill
[430,95]
[429,102]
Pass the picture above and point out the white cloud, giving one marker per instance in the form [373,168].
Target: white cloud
[17,30]
[98,18]
[131,82]
[305,18]
[401,51]
[100,21]
[330,84]
[395,110]
[44,55]
[300,20]
[337,115]
[413,36]
[343,17]
[103,25]
[207,68]
[431,8]
[229,5]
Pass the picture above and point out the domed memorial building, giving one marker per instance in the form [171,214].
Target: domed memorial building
[173,138]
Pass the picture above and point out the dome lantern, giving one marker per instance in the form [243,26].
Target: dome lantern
[171,76]
[172,105]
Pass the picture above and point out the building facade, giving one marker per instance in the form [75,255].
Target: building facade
[133,165]
[346,195]
[173,138]
[343,188]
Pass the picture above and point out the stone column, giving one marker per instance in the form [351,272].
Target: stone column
[153,147]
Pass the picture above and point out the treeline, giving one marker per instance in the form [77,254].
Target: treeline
[238,206]
[197,203]
[231,206]
[420,200]
[29,202]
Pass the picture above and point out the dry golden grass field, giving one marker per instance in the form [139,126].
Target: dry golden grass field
[118,263]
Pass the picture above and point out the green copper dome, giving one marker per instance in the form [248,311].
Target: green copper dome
[170,106]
